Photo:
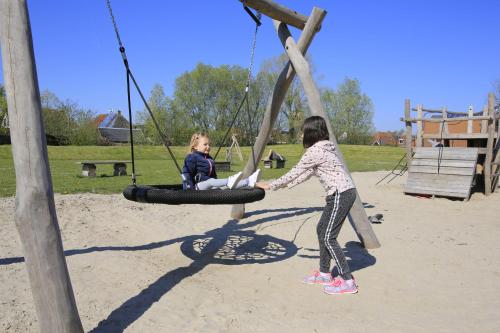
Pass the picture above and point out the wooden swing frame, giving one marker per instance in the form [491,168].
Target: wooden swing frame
[298,65]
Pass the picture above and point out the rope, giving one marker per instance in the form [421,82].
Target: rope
[163,136]
[400,173]
[130,126]
[247,86]
[108,3]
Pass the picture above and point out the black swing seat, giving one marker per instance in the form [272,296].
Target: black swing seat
[175,195]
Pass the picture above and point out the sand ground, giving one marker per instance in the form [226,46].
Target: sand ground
[158,268]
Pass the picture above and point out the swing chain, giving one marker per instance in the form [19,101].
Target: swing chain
[254,45]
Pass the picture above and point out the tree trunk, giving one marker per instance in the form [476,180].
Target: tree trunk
[36,218]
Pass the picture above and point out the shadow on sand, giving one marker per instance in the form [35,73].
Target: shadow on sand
[230,244]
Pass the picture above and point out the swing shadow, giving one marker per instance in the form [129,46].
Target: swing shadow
[227,245]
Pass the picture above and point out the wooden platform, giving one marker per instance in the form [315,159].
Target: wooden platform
[442,171]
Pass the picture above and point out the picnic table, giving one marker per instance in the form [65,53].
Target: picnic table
[89,167]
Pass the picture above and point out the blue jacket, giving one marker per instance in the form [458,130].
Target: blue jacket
[197,168]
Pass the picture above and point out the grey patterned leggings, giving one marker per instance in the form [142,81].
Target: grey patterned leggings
[336,210]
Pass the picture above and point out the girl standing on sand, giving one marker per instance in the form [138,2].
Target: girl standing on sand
[321,159]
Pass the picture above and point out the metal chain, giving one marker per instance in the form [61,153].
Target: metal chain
[254,44]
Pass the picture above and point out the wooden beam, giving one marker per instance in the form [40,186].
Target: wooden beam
[276,99]
[35,217]
[456,136]
[444,126]
[357,215]
[439,120]
[279,12]
[409,133]
[418,139]
[440,111]
[469,121]
[489,145]
[484,123]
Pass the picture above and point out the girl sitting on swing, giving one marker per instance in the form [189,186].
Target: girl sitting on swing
[198,172]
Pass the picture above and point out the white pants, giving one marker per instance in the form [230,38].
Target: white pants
[219,183]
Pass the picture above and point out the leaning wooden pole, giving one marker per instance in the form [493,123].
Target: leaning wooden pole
[35,216]
[275,100]
[357,215]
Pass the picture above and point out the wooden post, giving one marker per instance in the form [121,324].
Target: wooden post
[357,215]
[419,138]
[489,144]
[445,122]
[276,99]
[237,145]
[495,165]
[35,218]
[409,132]
[470,112]
[279,12]
[484,123]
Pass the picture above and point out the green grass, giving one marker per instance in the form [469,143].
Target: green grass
[154,166]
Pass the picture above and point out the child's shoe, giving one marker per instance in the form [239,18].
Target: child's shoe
[233,180]
[341,286]
[318,278]
[254,178]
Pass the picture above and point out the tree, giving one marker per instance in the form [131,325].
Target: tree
[497,91]
[4,130]
[294,106]
[65,123]
[210,96]
[83,128]
[159,105]
[350,112]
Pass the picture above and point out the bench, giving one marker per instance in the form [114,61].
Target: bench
[89,167]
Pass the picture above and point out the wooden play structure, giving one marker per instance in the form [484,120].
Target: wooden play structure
[229,150]
[279,160]
[452,150]
[36,217]
[226,165]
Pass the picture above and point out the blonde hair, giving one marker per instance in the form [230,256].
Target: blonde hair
[195,138]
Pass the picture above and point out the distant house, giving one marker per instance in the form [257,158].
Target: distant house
[384,139]
[114,128]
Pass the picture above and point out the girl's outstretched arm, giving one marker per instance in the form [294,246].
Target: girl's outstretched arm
[300,172]
[262,185]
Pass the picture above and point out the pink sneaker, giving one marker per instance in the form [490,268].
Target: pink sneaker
[341,286]
[318,278]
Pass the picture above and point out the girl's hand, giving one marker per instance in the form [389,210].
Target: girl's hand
[262,185]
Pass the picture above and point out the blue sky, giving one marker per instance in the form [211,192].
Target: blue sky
[437,53]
